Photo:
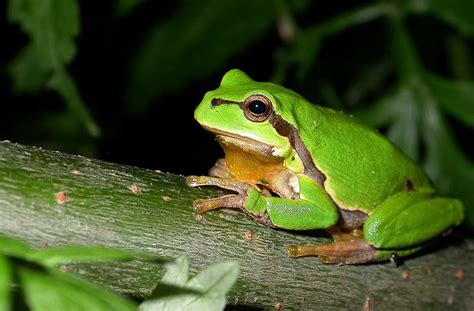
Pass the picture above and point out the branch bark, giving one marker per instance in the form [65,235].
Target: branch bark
[127,207]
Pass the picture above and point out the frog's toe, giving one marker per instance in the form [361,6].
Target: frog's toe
[346,252]
[201,206]
[192,181]
[292,251]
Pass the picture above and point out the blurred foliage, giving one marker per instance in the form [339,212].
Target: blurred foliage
[52,26]
[38,279]
[181,50]
[410,75]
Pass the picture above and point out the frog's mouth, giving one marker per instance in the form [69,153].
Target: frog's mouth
[244,144]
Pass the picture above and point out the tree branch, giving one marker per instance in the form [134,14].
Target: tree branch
[127,207]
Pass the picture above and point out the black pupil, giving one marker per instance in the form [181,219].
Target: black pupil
[257,107]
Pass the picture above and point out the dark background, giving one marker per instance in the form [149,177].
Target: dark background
[141,67]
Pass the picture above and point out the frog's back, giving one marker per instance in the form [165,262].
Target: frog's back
[362,167]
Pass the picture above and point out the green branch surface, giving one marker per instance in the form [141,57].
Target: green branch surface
[50,199]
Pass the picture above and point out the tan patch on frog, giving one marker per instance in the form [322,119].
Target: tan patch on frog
[252,162]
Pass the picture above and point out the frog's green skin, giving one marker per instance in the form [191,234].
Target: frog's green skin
[329,170]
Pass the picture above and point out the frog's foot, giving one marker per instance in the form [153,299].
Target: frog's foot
[227,201]
[220,169]
[225,183]
[201,206]
[346,252]
[348,248]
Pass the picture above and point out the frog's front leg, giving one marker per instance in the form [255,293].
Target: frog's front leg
[227,201]
[313,210]
[247,195]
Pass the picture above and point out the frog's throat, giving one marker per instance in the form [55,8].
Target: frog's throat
[247,145]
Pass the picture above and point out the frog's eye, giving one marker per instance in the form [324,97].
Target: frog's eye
[257,108]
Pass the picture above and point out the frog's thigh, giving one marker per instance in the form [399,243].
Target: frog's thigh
[410,218]
[314,210]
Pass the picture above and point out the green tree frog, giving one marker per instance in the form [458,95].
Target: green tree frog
[298,166]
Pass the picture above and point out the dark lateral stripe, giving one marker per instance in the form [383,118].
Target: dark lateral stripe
[220,101]
[291,132]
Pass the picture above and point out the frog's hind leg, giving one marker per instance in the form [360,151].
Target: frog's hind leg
[348,248]
[400,226]
[356,251]
[408,220]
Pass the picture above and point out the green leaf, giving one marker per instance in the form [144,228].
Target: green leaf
[51,289]
[176,272]
[407,62]
[458,13]
[163,290]
[52,257]
[174,280]
[52,26]
[6,280]
[28,75]
[199,39]
[456,97]
[125,6]
[309,41]
[63,83]
[211,285]
[459,56]
[114,301]
[403,130]
[329,95]
[382,111]
[14,248]
[372,78]
[295,5]
[61,291]
[217,279]
[306,50]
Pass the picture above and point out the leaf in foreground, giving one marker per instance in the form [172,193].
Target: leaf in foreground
[13,248]
[206,291]
[44,291]
[73,254]
[45,287]
[5,283]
